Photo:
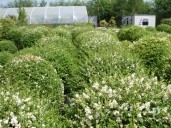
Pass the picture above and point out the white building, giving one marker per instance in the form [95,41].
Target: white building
[140,20]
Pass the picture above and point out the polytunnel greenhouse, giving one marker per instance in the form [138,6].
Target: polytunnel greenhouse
[50,15]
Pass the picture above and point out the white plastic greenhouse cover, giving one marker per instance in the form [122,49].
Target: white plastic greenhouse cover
[50,15]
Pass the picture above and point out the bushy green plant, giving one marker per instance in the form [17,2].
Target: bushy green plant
[19,108]
[62,32]
[153,52]
[5,57]
[103,23]
[62,58]
[79,30]
[15,35]
[5,26]
[22,17]
[132,101]
[131,33]
[34,74]
[166,21]
[30,36]
[151,29]
[7,45]
[164,28]
[112,22]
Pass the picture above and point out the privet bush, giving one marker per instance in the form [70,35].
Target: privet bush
[153,52]
[5,26]
[5,57]
[34,74]
[15,35]
[7,45]
[131,33]
[79,30]
[62,60]
[166,21]
[132,101]
[19,108]
[164,28]
[62,32]
[30,36]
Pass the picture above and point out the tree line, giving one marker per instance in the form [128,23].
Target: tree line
[105,9]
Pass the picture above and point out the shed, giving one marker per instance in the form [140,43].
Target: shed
[140,20]
[50,15]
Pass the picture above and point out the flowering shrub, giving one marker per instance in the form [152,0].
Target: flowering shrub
[5,57]
[35,74]
[131,33]
[62,32]
[131,101]
[21,109]
[8,46]
[164,28]
[62,59]
[153,52]
[15,35]
[30,36]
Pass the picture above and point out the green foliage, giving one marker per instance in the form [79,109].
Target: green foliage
[9,46]
[112,22]
[30,36]
[5,57]
[164,28]
[15,35]
[151,29]
[103,23]
[162,9]
[131,33]
[131,101]
[60,52]
[153,52]
[62,32]
[166,21]
[34,74]
[21,3]
[5,26]
[22,17]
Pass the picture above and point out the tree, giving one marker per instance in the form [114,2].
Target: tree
[162,9]
[103,9]
[43,3]
[22,17]
[21,3]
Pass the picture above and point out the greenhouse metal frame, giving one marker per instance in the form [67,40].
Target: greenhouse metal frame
[50,15]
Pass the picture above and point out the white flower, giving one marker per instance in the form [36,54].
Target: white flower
[113,103]
[86,96]
[27,99]
[104,88]
[14,121]
[90,117]
[6,121]
[77,96]
[96,86]
[139,115]
[87,110]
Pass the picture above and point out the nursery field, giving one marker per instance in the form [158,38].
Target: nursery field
[84,77]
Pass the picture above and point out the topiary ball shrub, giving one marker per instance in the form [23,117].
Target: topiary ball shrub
[63,60]
[164,28]
[153,52]
[131,33]
[30,36]
[35,74]
[62,32]
[9,46]
[5,26]
[5,57]
[15,35]
[135,100]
